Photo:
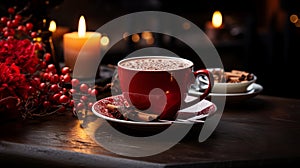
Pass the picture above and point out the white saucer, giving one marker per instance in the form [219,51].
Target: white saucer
[139,127]
[252,91]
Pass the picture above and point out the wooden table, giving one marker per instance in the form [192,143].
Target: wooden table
[262,131]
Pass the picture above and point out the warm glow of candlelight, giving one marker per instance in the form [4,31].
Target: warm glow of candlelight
[52,26]
[135,38]
[146,35]
[217,19]
[104,41]
[81,27]
[125,35]
[294,18]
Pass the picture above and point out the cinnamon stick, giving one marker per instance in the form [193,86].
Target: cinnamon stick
[132,114]
[141,116]
[111,107]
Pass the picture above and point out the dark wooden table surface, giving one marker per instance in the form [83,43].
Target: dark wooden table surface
[262,131]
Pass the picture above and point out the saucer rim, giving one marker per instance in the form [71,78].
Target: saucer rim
[142,123]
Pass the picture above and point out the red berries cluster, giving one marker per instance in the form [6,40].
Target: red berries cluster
[53,93]
[42,91]
[13,26]
[83,95]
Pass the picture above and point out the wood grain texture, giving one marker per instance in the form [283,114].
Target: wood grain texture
[263,131]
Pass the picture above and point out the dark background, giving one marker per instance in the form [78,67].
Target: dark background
[265,41]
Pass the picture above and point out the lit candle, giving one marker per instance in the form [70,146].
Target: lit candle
[52,29]
[87,44]
[213,27]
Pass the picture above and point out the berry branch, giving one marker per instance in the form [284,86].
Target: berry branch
[29,82]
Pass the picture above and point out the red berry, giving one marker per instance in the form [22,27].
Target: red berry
[3,19]
[75,82]
[5,29]
[42,86]
[6,34]
[51,68]
[65,70]
[46,76]
[46,104]
[43,64]
[90,105]
[56,97]
[64,99]
[9,24]
[33,34]
[94,92]
[84,88]
[89,90]
[38,46]
[29,26]
[21,28]
[11,10]
[18,17]
[80,106]
[15,22]
[37,80]
[54,88]
[54,78]
[47,57]
[10,37]
[67,78]
[72,102]
[72,91]
[83,98]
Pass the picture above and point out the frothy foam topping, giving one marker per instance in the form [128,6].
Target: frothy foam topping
[156,64]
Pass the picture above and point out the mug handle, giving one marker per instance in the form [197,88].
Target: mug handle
[209,75]
[206,92]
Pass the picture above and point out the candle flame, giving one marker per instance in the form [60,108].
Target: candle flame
[217,19]
[52,26]
[81,27]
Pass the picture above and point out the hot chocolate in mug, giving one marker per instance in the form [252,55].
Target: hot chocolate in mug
[159,84]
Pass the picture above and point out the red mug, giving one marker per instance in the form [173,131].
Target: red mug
[159,84]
